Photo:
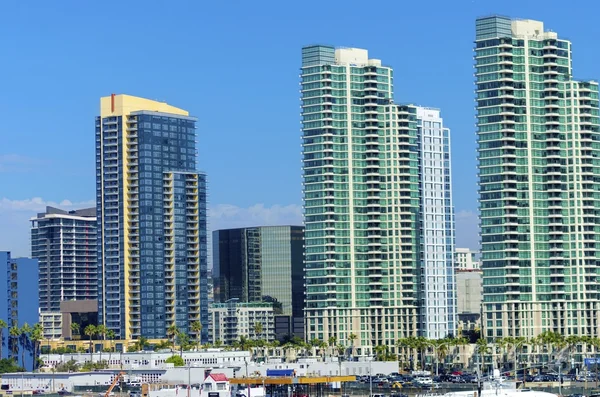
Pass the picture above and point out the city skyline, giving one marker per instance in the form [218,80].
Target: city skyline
[72,170]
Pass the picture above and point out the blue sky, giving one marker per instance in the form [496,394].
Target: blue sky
[235,66]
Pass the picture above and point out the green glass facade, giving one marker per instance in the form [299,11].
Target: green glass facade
[361,198]
[539,157]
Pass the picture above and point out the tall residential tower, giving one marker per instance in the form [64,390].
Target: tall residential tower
[539,158]
[378,263]
[64,243]
[151,210]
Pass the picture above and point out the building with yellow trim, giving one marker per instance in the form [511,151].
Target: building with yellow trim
[151,211]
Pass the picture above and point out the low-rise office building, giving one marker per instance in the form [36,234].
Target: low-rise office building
[230,321]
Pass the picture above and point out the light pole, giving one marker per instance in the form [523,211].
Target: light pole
[248,384]
[370,378]
[189,380]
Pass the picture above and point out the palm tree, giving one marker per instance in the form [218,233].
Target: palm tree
[3,325]
[440,348]
[380,351]
[172,332]
[36,335]
[75,329]
[111,335]
[13,341]
[572,341]
[90,331]
[352,338]
[459,343]
[258,329]
[421,344]
[24,340]
[482,349]
[332,343]
[196,327]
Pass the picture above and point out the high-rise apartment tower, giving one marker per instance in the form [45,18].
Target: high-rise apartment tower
[539,158]
[151,210]
[64,243]
[378,264]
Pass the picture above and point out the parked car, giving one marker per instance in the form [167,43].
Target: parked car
[424,381]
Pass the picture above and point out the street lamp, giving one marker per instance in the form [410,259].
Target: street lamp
[370,377]
[189,379]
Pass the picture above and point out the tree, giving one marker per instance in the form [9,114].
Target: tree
[75,329]
[176,360]
[352,338]
[8,365]
[163,344]
[36,336]
[111,335]
[69,366]
[380,351]
[196,327]
[24,340]
[243,343]
[440,350]
[184,342]
[420,343]
[332,341]
[90,331]
[3,325]
[13,341]
[101,330]
[172,332]
[482,349]
[258,329]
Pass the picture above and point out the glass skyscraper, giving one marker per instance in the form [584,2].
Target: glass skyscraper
[262,264]
[151,211]
[378,212]
[539,153]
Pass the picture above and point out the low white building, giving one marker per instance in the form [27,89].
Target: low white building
[230,321]
[151,360]
[194,373]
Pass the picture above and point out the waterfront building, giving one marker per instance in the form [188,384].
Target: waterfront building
[151,211]
[537,129]
[262,264]
[378,210]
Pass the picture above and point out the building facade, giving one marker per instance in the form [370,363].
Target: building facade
[465,259]
[232,320]
[64,243]
[262,264]
[19,292]
[368,268]
[151,215]
[538,164]
[437,312]
[469,296]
